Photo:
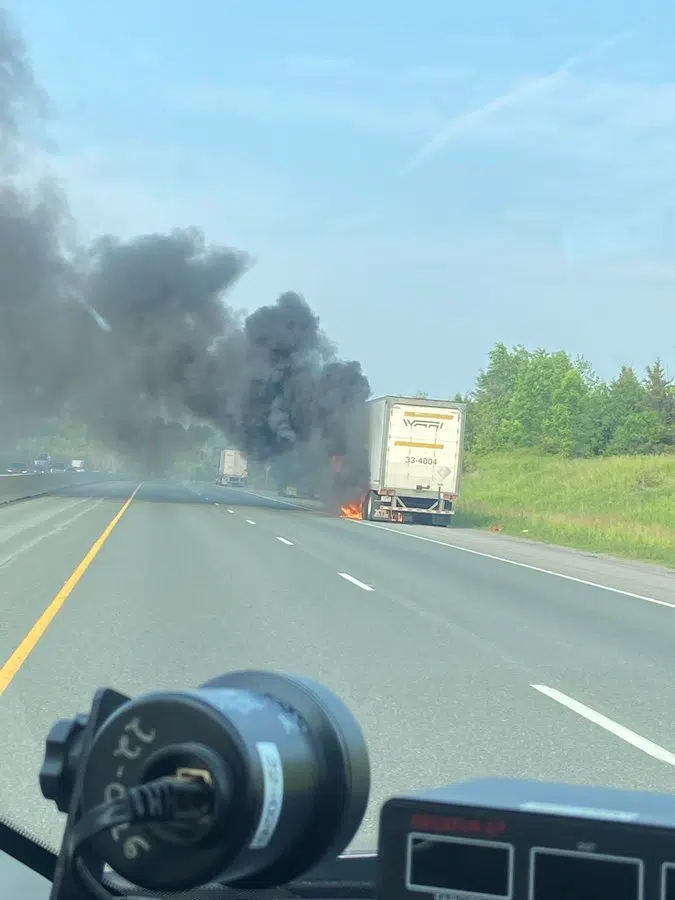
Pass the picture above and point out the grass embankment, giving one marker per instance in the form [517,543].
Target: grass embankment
[623,506]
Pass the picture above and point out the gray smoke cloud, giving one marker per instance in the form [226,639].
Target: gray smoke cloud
[131,337]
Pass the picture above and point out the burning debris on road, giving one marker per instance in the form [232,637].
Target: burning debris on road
[353,509]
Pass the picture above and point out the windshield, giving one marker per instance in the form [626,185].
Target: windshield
[340,343]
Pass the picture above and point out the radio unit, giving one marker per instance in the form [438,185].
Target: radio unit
[504,839]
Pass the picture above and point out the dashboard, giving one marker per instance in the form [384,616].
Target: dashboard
[255,783]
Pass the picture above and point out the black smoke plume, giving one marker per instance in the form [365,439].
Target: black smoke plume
[134,338]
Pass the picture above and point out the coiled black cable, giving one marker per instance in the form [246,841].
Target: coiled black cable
[169,800]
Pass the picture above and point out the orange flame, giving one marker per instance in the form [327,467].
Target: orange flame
[353,509]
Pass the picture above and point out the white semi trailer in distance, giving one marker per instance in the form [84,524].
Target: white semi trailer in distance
[415,450]
[233,469]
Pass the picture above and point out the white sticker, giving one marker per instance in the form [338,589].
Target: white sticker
[580,811]
[273,794]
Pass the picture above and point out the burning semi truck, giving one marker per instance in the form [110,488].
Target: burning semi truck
[415,449]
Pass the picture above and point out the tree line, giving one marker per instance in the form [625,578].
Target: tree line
[555,404]
[548,402]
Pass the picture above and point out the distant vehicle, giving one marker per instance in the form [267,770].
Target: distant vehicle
[59,467]
[415,449]
[304,490]
[296,475]
[77,465]
[19,468]
[43,463]
[233,468]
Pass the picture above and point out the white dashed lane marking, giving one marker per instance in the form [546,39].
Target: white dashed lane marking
[597,718]
[352,580]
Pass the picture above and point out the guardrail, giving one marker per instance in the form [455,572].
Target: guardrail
[23,487]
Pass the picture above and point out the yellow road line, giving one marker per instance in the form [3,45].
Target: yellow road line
[29,642]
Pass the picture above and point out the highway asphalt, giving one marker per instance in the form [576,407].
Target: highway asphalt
[462,653]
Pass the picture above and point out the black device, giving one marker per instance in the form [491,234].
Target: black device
[250,780]
[254,779]
[503,839]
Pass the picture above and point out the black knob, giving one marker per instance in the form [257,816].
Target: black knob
[57,774]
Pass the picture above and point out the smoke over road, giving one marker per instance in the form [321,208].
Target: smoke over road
[133,338]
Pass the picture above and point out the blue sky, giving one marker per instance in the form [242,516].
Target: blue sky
[432,181]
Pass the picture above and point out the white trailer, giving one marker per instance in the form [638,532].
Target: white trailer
[415,451]
[233,469]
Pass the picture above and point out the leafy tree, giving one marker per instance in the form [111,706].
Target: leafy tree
[550,403]
[491,398]
[661,399]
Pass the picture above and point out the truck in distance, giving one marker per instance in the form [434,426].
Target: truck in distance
[42,463]
[415,452]
[295,473]
[233,468]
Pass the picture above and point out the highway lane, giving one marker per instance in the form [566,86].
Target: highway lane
[608,646]
[435,648]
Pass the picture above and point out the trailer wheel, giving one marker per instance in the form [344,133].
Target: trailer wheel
[371,505]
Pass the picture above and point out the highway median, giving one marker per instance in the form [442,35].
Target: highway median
[24,487]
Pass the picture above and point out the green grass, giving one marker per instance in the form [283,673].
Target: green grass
[623,506]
